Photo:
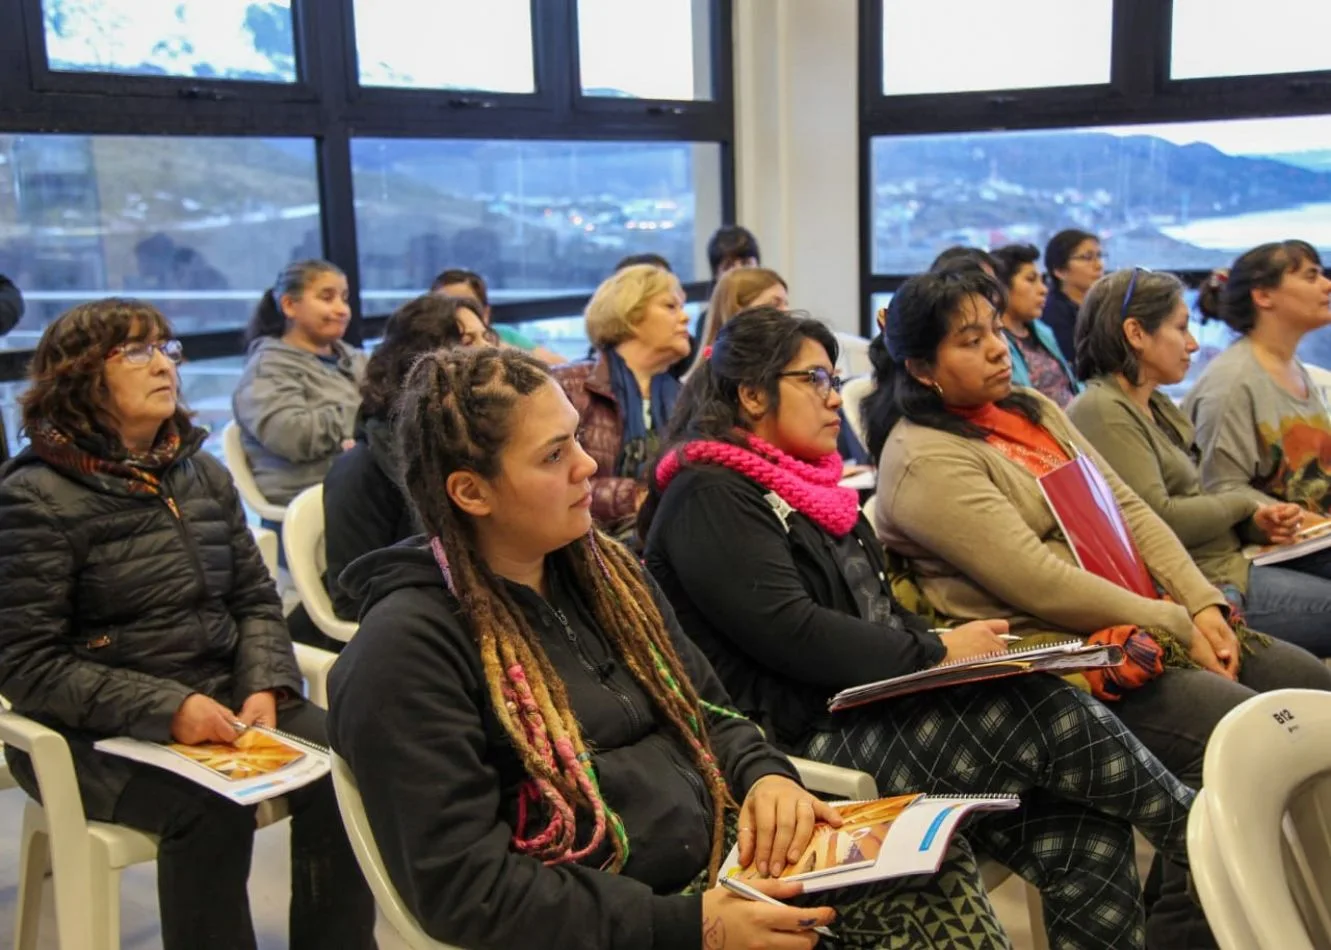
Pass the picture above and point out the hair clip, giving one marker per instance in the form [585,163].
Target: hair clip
[707,352]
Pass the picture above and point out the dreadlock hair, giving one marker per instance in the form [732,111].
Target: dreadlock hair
[456,413]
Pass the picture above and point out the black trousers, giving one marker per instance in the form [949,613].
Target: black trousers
[203,861]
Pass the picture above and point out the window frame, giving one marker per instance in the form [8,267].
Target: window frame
[1139,91]
[328,105]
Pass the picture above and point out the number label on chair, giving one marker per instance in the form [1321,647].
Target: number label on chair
[1285,718]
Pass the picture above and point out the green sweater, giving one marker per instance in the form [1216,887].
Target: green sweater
[1156,456]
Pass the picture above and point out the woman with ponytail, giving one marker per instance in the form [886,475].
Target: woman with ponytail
[544,759]
[774,572]
[297,398]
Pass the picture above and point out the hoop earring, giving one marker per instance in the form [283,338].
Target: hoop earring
[937,388]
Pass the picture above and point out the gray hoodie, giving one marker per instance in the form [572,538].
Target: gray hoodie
[294,411]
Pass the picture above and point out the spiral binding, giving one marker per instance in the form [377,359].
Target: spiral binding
[294,739]
[1011,654]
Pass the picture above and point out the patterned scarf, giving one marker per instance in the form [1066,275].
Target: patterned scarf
[640,441]
[810,489]
[140,473]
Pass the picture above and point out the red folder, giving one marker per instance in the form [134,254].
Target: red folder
[1087,512]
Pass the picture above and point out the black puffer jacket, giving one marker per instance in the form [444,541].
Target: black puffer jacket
[114,610]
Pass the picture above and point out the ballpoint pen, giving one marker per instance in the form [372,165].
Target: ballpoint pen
[739,888]
[1005,637]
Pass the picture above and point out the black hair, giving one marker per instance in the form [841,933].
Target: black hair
[731,243]
[656,260]
[1262,268]
[1059,250]
[751,350]
[960,254]
[268,318]
[1009,260]
[458,275]
[918,320]
[427,323]
[1101,348]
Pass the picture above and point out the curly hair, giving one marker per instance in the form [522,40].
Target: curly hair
[429,322]
[67,375]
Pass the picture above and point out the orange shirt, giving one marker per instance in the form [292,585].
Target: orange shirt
[1026,443]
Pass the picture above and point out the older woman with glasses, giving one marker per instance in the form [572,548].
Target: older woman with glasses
[136,604]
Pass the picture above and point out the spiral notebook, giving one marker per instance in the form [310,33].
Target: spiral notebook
[263,763]
[1066,656]
[884,838]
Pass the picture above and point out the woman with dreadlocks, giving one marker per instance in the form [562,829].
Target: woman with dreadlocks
[544,759]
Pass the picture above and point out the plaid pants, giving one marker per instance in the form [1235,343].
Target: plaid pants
[1085,782]
[949,909]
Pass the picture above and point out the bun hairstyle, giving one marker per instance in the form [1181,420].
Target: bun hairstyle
[1228,295]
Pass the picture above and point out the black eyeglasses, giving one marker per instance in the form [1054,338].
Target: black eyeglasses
[823,382]
[1132,285]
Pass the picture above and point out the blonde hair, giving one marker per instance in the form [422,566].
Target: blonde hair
[621,301]
[735,291]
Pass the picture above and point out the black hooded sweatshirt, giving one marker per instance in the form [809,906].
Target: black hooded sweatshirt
[411,714]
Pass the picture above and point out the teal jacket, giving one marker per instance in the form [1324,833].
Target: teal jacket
[1021,373]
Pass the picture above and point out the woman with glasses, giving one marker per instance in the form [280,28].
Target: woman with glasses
[365,502]
[1073,262]
[961,453]
[1134,338]
[1037,360]
[136,604]
[297,398]
[624,395]
[775,573]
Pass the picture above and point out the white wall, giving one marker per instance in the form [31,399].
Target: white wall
[796,128]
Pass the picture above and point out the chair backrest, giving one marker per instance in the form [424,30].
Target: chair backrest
[1228,923]
[1259,758]
[372,865]
[266,539]
[238,463]
[853,395]
[854,360]
[303,540]
[836,782]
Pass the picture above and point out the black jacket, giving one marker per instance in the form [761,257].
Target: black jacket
[772,608]
[1060,315]
[11,311]
[114,610]
[411,713]
[365,507]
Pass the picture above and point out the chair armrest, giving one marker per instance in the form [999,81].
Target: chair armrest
[833,780]
[314,666]
[55,772]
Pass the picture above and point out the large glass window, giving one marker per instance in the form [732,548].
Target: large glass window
[970,45]
[537,219]
[671,59]
[198,226]
[203,39]
[445,44]
[1183,196]
[1240,38]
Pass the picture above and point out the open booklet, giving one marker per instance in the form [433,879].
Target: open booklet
[263,763]
[1066,656]
[887,837]
[1315,537]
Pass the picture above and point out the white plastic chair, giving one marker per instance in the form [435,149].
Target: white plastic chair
[266,539]
[238,463]
[85,858]
[854,359]
[1262,796]
[372,864]
[303,540]
[853,394]
[1212,882]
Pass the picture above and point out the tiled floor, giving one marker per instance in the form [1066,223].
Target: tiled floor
[268,894]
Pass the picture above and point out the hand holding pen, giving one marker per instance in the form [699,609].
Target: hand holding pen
[751,913]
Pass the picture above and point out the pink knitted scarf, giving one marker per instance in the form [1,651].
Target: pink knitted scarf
[810,489]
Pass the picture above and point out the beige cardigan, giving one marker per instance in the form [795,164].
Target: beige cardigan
[983,542]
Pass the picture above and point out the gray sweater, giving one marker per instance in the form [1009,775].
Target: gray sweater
[294,411]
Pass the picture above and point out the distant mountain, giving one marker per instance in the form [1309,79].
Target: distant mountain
[1318,160]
